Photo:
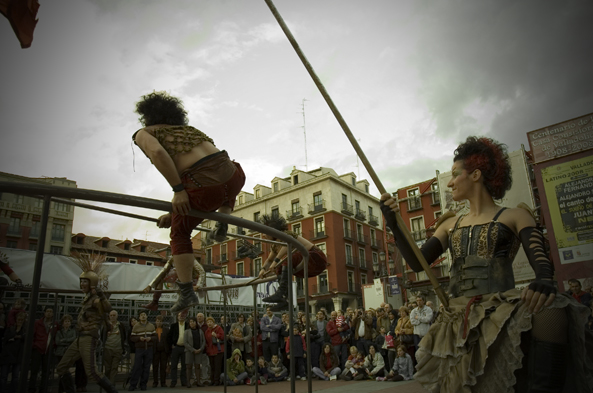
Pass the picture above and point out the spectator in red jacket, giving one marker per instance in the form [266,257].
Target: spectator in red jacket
[44,333]
[214,349]
[339,342]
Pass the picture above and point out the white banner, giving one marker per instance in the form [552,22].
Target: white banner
[59,272]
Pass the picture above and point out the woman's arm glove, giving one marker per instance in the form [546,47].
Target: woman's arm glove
[533,244]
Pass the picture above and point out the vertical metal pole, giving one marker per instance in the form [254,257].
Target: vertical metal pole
[225,351]
[34,296]
[292,371]
[308,322]
[254,332]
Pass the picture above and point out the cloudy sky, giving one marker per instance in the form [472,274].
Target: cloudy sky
[411,78]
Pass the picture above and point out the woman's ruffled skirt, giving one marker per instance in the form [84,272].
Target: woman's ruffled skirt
[486,359]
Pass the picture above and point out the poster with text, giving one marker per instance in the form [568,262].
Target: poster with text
[569,190]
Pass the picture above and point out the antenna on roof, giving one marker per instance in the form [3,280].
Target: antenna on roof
[305,134]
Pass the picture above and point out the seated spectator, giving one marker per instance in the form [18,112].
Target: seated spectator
[329,365]
[374,365]
[12,354]
[235,368]
[262,370]
[353,368]
[576,291]
[403,367]
[276,370]
[250,368]
[297,347]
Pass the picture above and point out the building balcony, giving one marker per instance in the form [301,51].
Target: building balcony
[294,214]
[414,203]
[321,289]
[347,209]
[373,220]
[362,239]
[315,234]
[223,258]
[349,260]
[360,215]
[348,234]
[419,235]
[376,243]
[436,198]
[314,208]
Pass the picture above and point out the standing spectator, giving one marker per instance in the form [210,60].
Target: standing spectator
[297,347]
[143,337]
[374,365]
[226,327]
[116,346]
[576,291]
[319,338]
[391,351]
[403,367]
[430,305]
[17,307]
[235,368]
[340,346]
[64,337]
[161,353]
[404,331]
[195,355]
[43,338]
[420,317]
[383,320]
[284,335]
[201,322]
[12,354]
[176,336]
[363,331]
[215,349]
[329,365]
[133,321]
[241,337]
[270,326]
[276,370]
[258,350]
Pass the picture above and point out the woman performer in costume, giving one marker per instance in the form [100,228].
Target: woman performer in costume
[201,176]
[169,275]
[317,261]
[493,337]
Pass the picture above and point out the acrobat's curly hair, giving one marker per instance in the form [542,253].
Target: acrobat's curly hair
[491,158]
[161,108]
[274,221]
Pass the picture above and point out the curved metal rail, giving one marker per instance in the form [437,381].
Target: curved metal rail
[49,191]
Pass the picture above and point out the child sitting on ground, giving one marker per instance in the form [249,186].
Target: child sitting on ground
[403,368]
[276,370]
[262,369]
[353,367]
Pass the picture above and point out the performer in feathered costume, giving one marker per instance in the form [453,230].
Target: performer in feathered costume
[91,320]
[493,337]
[169,275]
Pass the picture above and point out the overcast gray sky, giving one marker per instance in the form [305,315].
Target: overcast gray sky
[411,78]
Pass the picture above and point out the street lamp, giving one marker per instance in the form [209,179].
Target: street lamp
[380,262]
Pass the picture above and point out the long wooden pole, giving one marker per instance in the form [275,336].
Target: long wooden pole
[404,230]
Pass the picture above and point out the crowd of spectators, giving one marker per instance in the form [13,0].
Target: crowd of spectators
[351,344]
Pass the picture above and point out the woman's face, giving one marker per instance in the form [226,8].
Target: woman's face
[460,182]
[192,323]
[403,313]
[326,349]
[66,324]
[400,353]
[210,323]
[391,316]
[372,350]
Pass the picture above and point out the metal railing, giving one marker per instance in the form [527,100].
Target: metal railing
[316,207]
[347,209]
[50,192]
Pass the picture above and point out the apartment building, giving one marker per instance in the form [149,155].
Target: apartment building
[335,212]
[20,218]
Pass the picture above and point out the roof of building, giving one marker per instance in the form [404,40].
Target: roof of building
[92,244]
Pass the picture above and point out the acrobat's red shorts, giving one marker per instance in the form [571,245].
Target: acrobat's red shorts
[212,182]
[316,266]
